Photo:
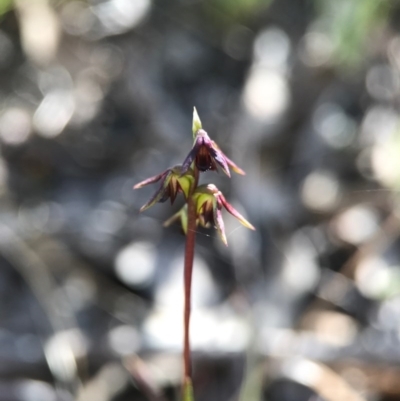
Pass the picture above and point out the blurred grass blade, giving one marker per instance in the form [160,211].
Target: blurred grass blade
[252,386]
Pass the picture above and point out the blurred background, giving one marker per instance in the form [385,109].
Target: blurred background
[96,95]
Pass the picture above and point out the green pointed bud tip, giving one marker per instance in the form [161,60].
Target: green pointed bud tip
[196,122]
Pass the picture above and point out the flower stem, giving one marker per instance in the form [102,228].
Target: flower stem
[189,255]
[188,270]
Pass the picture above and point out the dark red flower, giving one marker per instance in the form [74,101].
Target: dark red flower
[206,155]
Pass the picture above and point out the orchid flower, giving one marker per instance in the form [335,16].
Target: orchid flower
[206,154]
[209,201]
[172,182]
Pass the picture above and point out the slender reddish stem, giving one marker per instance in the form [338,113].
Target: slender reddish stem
[189,255]
[188,270]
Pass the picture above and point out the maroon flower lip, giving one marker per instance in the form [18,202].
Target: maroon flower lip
[206,154]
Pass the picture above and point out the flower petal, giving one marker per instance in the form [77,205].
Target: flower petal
[173,189]
[148,181]
[154,199]
[219,224]
[235,213]
[190,158]
[234,167]
[201,197]
[207,213]
[163,192]
[180,215]
[185,183]
[220,158]
[228,161]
